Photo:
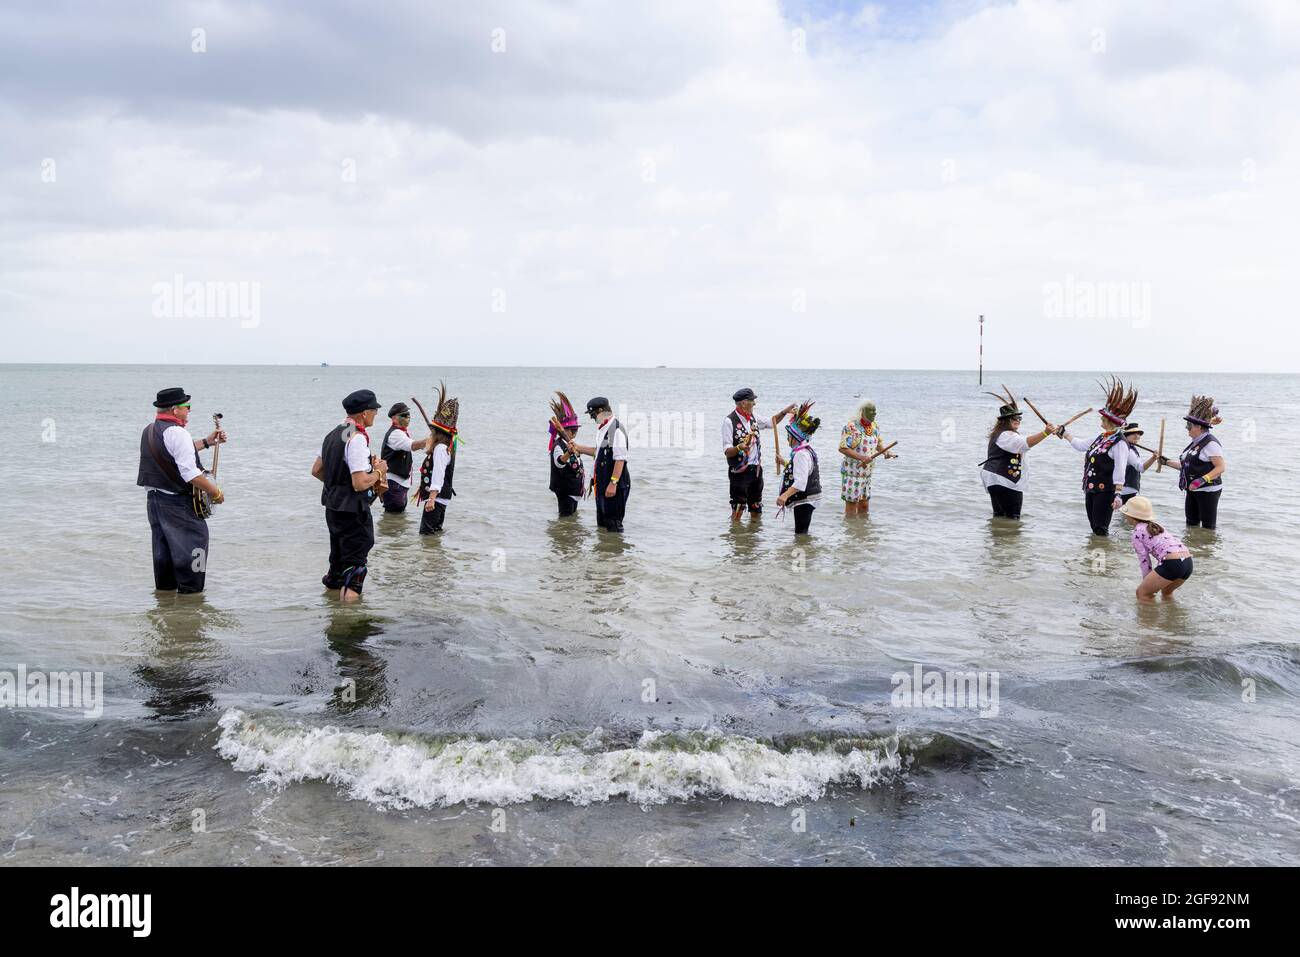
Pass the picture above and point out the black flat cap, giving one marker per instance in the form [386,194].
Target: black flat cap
[399,408]
[360,401]
[170,397]
[600,402]
[742,394]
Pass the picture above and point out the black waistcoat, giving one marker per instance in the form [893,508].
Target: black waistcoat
[567,479]
[399,460]
[604,467]
[1190,466]
[1098,465]
[337,493]
[739,429]
[151,474]
[814,479]
[1001,462]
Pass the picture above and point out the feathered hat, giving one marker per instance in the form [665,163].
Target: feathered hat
[1203,411]
[562,411]
[444,420]
[803,424]
[1119,403]
[1009,409]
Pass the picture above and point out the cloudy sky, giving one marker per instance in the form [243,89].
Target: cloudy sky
[577,182]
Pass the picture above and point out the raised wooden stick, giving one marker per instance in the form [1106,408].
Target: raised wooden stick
[1044,420]
[1160,449]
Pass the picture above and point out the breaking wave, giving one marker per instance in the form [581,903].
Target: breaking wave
[410,770]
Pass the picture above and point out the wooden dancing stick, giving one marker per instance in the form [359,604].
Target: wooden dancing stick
[423,414]
[879,452]
[1044,419]
[1160,449]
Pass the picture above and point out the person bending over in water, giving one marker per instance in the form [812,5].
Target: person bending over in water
[1174,561]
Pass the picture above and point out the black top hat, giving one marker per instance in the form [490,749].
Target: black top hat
[360,401]
[399,408]
[599,402]
[170,397]
[742,394]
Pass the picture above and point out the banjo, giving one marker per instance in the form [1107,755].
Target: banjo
[202,501]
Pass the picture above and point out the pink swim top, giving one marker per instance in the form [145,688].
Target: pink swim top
[1146,545]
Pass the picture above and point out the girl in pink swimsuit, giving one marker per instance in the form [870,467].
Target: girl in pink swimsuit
[1172,561]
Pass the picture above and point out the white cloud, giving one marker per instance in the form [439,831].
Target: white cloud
[652,183]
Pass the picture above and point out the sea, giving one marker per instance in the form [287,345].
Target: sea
[925,685]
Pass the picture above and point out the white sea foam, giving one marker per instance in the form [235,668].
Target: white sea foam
[405,770]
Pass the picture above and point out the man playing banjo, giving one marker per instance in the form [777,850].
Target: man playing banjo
[171,471]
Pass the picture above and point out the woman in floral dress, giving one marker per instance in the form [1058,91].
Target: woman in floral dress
[858,441]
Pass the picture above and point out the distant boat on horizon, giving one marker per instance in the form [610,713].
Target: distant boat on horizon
[324,365]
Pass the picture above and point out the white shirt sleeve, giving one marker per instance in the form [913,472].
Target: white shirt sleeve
[438,471]
[556,453]
[762,423]
[1080,445]
[619,445]
[1120,453]
[1210,450]
[180,447]
[357,454]
[400,441]
[726,433]
[802,469]
[1013,442]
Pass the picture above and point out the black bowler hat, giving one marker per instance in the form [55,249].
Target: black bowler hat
[360,401]
[743,394]
[399,408]
[599,402]
[170,397]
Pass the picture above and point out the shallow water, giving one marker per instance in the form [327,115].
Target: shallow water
[525,690]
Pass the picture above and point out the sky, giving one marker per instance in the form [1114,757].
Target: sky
[739,183]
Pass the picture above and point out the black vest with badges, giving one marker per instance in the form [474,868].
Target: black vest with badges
[426,472]
[568,479]
[814,479]
[153,475]
[338,493]
[739,429]
[1001,462]
[1191,467]
[1098,464]
[399,461]
[604,467]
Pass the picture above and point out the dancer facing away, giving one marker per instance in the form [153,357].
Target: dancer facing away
[1104,465]
[396,450]
[1202,464]
[611,482]
[439,465]
[859,441]
[1173,561]
[352,478]
[170,469]
[743,448]
[801,483]
[568,476]
[1003,471]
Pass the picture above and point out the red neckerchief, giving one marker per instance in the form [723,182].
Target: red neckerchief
[168,417]
[747,416]
[867,426]
[402,429]
[361,429]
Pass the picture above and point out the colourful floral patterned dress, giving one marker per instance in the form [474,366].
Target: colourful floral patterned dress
[855,476]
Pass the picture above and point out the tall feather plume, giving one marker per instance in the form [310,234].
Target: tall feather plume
[561,407]
[1118,401]
[442,398]
[1203,408]
[1007,399]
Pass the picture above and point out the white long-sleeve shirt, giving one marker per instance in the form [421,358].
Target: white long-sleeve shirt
[1116,453]
[401,441]
[617,442]
[801,471]
[438,472]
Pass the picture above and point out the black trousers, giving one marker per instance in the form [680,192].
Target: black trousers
[609,511]
[1006,501]
[180,543]
[1100,512]
[1202,508]
[803,518]
[567,503]
[395,498]
[352,535]
[431,521]
[747,488]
